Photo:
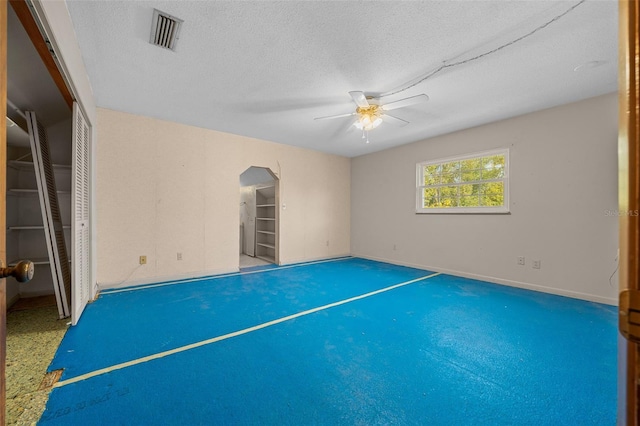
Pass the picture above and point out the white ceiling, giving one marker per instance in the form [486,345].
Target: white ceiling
[266,69]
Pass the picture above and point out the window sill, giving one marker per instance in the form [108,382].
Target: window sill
[463,211]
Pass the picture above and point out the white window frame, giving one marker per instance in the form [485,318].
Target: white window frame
[420,186]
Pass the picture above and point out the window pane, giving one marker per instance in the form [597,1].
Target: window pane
[466,183]
[469,201]
[432,169]
[492,188]
[451,177]
[492,173]
[493,161]
[494,200]
[471,176]
[430,197]
[493,167]
[432,174]
[448,202]
[471,164]
[449,191]
[452,167]
[466,190]
[431,179]
[434,202]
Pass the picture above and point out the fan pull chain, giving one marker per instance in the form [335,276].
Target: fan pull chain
[365,135]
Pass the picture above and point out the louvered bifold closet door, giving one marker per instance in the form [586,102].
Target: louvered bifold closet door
[54,234]
[80,207]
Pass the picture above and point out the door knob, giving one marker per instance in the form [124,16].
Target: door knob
[22,272]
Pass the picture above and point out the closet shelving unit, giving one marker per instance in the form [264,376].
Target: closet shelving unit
[24,219]
[266,223]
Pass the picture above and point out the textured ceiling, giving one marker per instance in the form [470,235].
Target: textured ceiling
[266,69]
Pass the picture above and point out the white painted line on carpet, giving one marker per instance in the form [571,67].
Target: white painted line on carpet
[233,334]
[217,277]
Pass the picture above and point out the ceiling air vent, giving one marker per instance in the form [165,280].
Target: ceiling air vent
[165,30]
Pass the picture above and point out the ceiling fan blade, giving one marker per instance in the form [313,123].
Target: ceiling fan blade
[394,120]
[360,99]
[328,117]
[405,102]
[344,128]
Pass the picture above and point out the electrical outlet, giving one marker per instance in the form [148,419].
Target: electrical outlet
[536,264]
[521,260]
[143,260]
[179,256]
[327,243]
[394,247]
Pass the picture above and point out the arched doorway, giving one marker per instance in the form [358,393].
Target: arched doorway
[259,217]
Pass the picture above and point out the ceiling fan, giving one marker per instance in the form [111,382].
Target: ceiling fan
[371,114]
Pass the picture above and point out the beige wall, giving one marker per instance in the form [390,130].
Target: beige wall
[563,182]
[164,188]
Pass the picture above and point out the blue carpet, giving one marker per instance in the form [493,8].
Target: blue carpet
[447,351]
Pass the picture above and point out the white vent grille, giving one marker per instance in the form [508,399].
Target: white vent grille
[165,30]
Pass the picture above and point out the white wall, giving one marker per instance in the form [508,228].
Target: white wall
[164,188]
[563,181]
[248,218]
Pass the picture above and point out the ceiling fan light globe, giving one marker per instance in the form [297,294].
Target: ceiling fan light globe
[368,121]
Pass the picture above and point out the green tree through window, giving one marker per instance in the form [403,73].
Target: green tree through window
[475,183]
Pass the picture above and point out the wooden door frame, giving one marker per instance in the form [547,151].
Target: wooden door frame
[629,201]
[3,211]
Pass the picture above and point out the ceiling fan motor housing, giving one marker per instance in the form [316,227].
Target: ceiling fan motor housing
[368,117]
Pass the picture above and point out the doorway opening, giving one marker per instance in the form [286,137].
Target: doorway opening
[259,217]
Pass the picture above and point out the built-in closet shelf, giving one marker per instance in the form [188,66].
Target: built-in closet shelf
[22,191]
[32,227]
[28,237]
[267,223]
[22,165]
[271,246]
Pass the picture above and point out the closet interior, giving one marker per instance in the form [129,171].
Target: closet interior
[31,90]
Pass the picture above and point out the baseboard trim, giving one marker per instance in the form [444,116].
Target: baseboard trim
[500,281]
[164,278]
[315,259]
[110,285]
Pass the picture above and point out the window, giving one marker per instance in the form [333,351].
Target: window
[476,183]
